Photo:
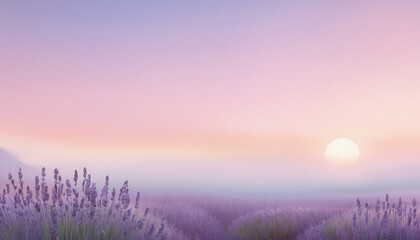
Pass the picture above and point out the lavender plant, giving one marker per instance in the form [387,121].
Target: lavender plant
[70,210]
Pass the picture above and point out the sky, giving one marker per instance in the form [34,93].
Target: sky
[220,97]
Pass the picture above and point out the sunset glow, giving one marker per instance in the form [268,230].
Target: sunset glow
[247,90]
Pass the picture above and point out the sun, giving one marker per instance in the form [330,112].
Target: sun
[342,150]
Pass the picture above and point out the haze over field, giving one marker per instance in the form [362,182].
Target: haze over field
[221,97]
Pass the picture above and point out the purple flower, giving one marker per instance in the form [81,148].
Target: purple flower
[29,194]
[45,195]
[56,174]
[43,173]
[76,177]
[37,207]
[20,175]
[113,194]
[137,200]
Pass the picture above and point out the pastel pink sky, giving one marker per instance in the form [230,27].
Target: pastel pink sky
[205,84]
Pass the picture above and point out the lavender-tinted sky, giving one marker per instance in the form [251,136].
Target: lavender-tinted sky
[214,95]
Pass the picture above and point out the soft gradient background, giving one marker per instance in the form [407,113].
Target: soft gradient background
[236,97]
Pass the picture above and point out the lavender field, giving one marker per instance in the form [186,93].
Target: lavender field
[209,120]
[78,208]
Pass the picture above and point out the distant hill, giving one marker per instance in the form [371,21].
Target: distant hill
[10,163]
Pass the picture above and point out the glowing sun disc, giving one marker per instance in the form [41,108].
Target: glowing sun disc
[342,150]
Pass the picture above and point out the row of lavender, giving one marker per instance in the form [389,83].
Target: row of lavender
[70,211]
[382,220]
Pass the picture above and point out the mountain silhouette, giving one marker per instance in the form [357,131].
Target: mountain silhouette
[10,163]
